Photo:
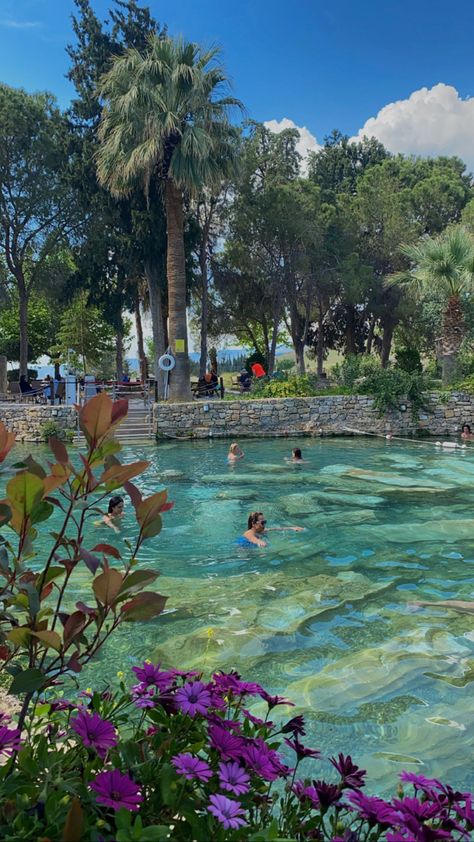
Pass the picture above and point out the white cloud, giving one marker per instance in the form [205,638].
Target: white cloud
[307,142]
[10,23]
[432,121]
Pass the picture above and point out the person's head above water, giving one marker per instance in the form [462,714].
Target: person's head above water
[296,453]
[466,428]
[115,506]
[256,521]
[234,448]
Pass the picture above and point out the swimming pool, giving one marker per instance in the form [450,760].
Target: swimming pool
[324,616]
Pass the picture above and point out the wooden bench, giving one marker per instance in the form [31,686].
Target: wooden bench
[238,385]
[209,390]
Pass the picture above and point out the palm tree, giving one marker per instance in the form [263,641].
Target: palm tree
[444,265]
[165,119]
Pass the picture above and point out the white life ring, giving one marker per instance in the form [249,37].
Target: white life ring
[167,362]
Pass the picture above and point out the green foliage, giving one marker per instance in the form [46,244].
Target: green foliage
[50,429]
[408,359]
[41,640]
[295,386]
[466,385]
[43,321]
[84,336]
[354,367]
[391,386]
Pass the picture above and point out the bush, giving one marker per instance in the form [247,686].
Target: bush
[181,758]
[390,386]
[353,367]
[295,386]
[50,429]
[13,374]
[285,365]
[408,359]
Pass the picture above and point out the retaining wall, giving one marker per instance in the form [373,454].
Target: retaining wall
[324,415]
[26,420]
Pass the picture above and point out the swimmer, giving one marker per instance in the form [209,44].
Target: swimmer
[114,513]
[466,432]
[235,453]
[256,528]
[449,445]
[295,456]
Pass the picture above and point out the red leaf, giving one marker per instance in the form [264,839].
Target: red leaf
[134,493]
[74,664]
[59,451]
[144,606]
[107,549]
[119,411]
[73,626]
[91,612]
[95,418]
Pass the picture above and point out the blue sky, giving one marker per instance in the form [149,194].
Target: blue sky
[322,65]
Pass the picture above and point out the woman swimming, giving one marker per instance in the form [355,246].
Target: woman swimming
[295,456]
[256,528]
[114,513]
[466,432]
[235,453]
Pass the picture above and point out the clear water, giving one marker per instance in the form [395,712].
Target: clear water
[326,616]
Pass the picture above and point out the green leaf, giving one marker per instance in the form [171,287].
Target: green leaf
[50,639]
[144,606]
[138,579]
[19,636]
[53,573]
[41,512]
[27,681]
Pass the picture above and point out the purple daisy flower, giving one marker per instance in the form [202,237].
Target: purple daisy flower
[61,704]
[327,794]
[192,767]
[227,812]
[231,682]
[95,732]
[352,776]
[303,792]
[260,723]
[295,726]
[116,790]
[150,674]
[263,761]
[301,750]
[229,746]
[273,701]
[193,698]
[374,810]
[233,778]
[143,696]
[10,740]
[419,781]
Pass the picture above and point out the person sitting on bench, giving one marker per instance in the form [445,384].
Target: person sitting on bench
[207,385]
[27,389]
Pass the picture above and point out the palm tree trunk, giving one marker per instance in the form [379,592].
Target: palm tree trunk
[159,348]
[453,334]
[204,306]
[140,342]
[180,386]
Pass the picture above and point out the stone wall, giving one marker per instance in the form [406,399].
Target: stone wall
[26,420]
[324,415]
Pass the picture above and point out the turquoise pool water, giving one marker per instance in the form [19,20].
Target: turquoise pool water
[325,616]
